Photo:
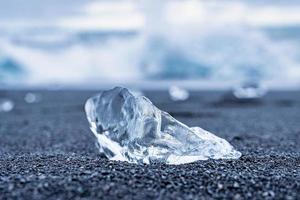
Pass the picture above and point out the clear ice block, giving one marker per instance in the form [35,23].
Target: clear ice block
[130,128]
[32,97]
[178,94]
[6,105]
[249,91]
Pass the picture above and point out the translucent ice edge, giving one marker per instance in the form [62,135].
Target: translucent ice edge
[130,128]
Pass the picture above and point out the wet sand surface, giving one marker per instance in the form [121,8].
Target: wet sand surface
[48,152]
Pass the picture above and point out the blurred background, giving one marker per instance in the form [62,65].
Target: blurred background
[149,43]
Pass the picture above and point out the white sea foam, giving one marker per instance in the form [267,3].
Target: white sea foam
[215,42]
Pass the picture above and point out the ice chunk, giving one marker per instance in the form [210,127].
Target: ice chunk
[249,91]
[6,105]
[130,128]
[178,94]
[32,97]
[136,92]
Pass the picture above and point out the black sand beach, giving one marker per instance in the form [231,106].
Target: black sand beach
[48,152]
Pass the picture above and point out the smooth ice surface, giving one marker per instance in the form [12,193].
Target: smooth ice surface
[6,105]
[136,92]
[178,94]
[130,128]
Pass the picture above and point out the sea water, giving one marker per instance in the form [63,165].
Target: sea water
[52,43]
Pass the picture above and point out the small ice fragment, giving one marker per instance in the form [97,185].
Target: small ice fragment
[249,91]
[32,97]
[6,105]
[130,128]
[178,94]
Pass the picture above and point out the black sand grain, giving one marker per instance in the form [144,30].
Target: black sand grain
[48,152]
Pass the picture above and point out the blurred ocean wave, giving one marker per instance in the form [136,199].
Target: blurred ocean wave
[107,41]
